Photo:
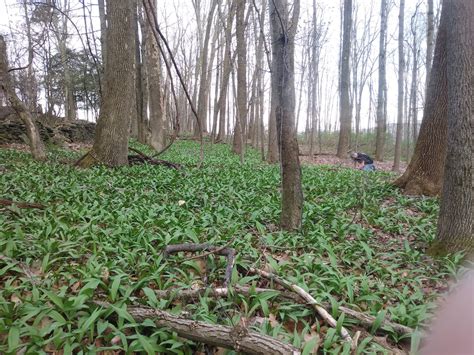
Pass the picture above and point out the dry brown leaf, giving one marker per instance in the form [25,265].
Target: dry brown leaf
[311,336]
[115,340]
[272,320]
[105,274]
[75,286]
[15,299]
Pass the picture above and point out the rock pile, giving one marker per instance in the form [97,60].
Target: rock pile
[55,131]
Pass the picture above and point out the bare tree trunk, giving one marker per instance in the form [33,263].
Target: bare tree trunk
[31,85]
[113,127]
[425,172]
[239,141]
[36,145]
[401,71]
[455,224]
[103,31]
[345,109]
[204,82]
[155,95]
[283,36]
[142,79]
[429,41]
[381,118]
[227,67]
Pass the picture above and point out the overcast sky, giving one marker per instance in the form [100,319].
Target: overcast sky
[179,14]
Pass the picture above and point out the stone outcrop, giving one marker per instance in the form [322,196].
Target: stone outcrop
[53,130]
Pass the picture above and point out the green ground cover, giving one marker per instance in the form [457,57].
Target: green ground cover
[102,233]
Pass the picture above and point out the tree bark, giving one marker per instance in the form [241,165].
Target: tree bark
[227,67]
[113,127]
[429,41]
[455,223]
[345,115]
[238,145]
[283,88]
[401,72]
[424,175]
[155,95]
[103,32]
[381,117]
[204,82]
[36,145]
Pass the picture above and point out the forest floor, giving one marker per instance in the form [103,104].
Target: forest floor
[99,235]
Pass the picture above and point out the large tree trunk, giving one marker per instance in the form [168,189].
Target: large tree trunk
[381,99]
[283,36]
[113,127]
[36,145]
[424,175]
[103,32]
[238,145]
[455,224]
[345,115]
[155,96]
[401,71]
[429,40]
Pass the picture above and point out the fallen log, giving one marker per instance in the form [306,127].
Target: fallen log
[238,338]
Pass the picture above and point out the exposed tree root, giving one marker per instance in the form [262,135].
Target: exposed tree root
[239,337]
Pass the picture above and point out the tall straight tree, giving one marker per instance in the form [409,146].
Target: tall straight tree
[429,40]
[382,89]
[155,96]
[456,222]
[240,123]
[401,71]
[424,175]
[283,96]
[113,126]
[345,114]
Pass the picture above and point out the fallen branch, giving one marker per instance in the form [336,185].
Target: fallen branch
[365,320]
[4,202]
[307,297]
[143,158]
[229,253]
[239,337]
[189,294]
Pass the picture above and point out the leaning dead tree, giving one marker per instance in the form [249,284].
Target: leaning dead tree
[32,132]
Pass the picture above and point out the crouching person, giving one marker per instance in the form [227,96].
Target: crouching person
[363,161]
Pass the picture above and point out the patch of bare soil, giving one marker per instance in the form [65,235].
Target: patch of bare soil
[329,159]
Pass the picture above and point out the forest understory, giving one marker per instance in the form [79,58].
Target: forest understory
[82,250]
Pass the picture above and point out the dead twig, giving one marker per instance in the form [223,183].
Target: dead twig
[4,202]
[229,253]
[143,158]
[239,338]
